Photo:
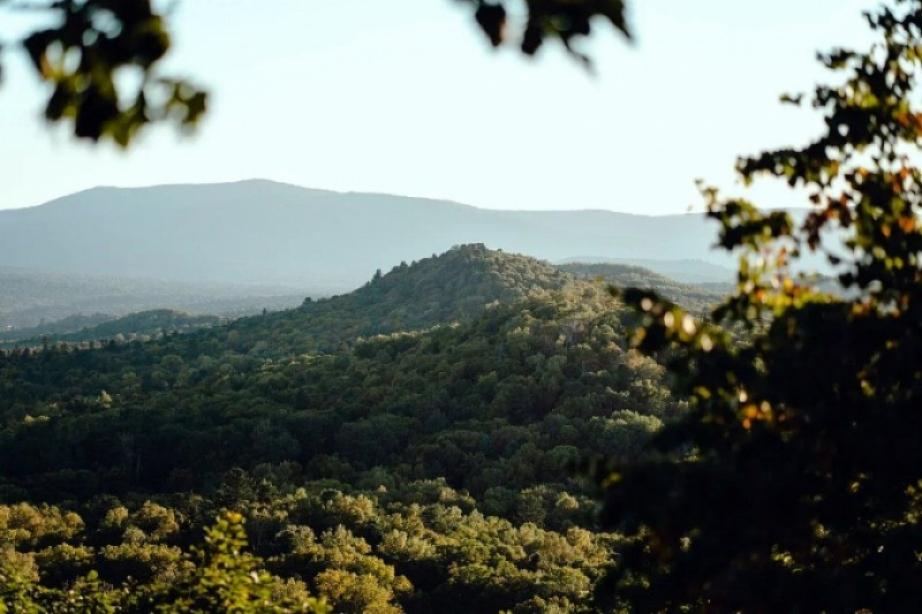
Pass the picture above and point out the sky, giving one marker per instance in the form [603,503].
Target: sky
[407,97]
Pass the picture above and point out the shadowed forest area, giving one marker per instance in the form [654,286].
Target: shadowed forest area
[482,430]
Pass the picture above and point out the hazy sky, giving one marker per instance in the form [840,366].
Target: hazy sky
[406,97]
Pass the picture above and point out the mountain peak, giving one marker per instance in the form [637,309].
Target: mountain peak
[469,274]
[454,286]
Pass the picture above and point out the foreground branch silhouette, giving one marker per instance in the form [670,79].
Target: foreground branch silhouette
[93,41]
[794,483]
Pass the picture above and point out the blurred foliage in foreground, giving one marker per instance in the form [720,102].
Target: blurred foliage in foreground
[795,482]
[94,44]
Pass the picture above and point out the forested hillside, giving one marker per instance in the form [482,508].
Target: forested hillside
[436,290]
[412,445]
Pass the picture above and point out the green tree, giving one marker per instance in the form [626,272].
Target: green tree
[17,575]
[226,579]
[795,479]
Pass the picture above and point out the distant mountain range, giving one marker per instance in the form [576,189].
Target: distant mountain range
[261,232]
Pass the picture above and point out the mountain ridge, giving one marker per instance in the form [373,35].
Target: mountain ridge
[263,182]
[262,231]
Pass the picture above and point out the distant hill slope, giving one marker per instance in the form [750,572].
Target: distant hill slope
[689,271]
[453,286]
[622,275]
[141,325]
[30,297]
[66,325]
[265,232]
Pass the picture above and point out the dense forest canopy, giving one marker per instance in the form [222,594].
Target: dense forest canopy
[410,445]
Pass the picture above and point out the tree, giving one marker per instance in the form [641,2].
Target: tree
[96,39]
[226,579]
[80,57]
[795,480]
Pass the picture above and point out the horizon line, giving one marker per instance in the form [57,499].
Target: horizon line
[348,192]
